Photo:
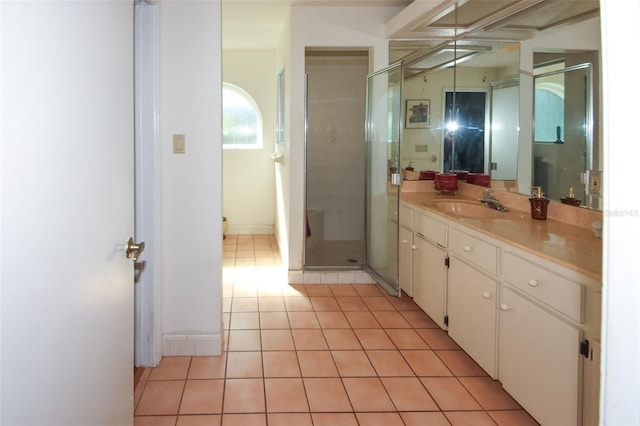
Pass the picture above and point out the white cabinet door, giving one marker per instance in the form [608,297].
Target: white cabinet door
[404,260]
[539,362]
[429,278]
[471,308]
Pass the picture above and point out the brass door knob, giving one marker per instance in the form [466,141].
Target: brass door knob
[134,250]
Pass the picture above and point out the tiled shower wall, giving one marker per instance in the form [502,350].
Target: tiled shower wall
[335,143]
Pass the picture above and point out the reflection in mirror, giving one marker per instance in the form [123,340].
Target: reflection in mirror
[563,130]
[505,103]
[458,79]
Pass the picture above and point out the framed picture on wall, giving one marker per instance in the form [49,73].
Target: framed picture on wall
[418,113]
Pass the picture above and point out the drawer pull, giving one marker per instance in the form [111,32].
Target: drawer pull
[504,307]
[486,295]
[414,247]
[467,248]
[404,241]
[532,283]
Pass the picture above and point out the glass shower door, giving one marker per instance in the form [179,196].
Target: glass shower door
[384,117]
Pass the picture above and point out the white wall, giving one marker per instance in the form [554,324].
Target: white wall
[249,196]
[326,27]
[191,199]
[620,378]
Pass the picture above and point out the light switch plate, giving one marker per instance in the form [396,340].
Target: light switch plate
[178,144]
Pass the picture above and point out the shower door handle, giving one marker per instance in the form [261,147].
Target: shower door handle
[396,179]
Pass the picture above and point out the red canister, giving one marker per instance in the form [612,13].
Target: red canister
[446,182]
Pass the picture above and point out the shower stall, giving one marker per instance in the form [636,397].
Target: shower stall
[335,158]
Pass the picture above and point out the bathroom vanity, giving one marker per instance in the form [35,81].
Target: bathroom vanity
[520,296]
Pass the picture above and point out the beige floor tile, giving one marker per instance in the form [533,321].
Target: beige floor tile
[286,396]
[244,340]
[208,367]
[425,363]
[271,304]
[309,340]
[341,339]
[353,364]
[334,419]
[244,420]
[161,397]
[489,393]
[297,304]
[374,338]
[244,304]
[368,290]
[274,320]
[332,320]
[277,340]
[317,364]
[460,363]
[304,320]
[449,394]
[244,396]
[437,338]
[289,419]
[404,303]
[244,365]
[171,368]
[202,397]
[200,420]
[342,290]
[389,364]
[435,418]
[513,417]
[367,394]
[406,338]
[469,418]
[318,290]
[352,304]
[244,320]
[408,394]
[326,395]
[324,303]
[362,319]
[379,419]
[391,319]
[419,319]
[281,364]
[378,303]
[154,421]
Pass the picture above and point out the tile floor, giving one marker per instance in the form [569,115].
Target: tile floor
[323,355]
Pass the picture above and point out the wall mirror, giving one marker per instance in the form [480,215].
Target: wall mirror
[470,69]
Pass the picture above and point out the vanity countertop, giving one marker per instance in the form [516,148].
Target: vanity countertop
[570,246]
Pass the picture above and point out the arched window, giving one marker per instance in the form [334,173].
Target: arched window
[241,120]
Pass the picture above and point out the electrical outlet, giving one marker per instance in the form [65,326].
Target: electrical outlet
[178,144]
[595,182]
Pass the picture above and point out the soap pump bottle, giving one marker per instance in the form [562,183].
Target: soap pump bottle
[539,204]
[570,199]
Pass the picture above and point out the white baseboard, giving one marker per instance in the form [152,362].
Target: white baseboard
[330,277]
[191,344]
[250,229]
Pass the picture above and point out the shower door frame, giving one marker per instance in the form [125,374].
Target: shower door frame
[392,287]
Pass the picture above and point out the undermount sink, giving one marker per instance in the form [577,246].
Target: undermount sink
[471,209]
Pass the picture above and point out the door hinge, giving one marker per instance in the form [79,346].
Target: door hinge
[584,348]
[446,261]
[446,320]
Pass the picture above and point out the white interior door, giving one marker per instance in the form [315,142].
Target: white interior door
[67,209]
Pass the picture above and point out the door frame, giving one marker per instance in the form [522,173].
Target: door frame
[147,186]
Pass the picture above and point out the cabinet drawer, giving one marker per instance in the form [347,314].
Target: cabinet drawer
[430,229]
[406,216]
[476,251]
[550,288]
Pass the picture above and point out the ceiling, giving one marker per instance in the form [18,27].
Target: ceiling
[422,26]
[256,24]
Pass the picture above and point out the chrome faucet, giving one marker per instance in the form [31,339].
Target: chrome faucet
[491,201]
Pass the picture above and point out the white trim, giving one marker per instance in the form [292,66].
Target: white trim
[191,344]
[147,205]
